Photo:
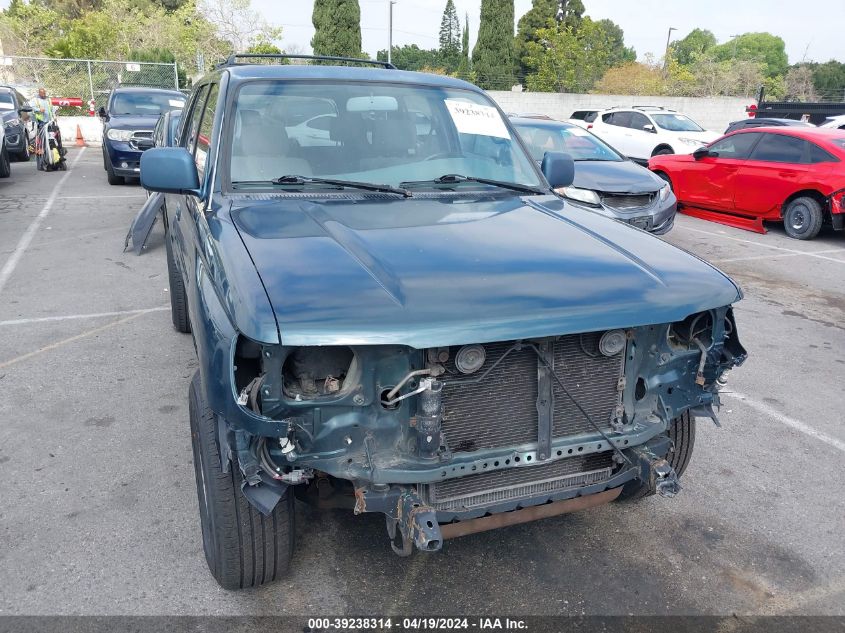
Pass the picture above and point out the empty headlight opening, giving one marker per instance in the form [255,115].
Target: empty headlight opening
[310,373]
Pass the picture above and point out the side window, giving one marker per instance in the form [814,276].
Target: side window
[192,122]
[777,148]
[206,129]
[738,146]
[818,155]
[638,121]
[621,119]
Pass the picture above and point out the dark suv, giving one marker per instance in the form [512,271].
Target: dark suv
[400,316]
[128,122]
[12,105]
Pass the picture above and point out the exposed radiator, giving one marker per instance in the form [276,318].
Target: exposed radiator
[501,409]
[485,489]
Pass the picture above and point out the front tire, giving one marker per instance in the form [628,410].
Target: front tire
[178,295]
[682,434]
[23,155]
[243,548]
[5,165]
[803,218]
[112,177]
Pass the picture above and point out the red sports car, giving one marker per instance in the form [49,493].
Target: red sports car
[784,174]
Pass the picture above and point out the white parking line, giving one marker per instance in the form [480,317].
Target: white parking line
[776,255]
[26,238]
[806,429]
[69,317]
[132,195]
[772,246]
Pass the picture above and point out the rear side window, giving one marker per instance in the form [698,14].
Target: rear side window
[621,119]
[584,115]
[777,148]
[818,155]
[738,146]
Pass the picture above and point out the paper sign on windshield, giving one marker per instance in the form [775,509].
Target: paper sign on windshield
[472,118]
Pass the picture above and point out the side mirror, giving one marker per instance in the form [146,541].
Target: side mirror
[702,152]
[102,113]
[169,170]
[558,168]
[648,127]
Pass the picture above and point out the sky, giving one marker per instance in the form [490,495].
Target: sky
[645,22]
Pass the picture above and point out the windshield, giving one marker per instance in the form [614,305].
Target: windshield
[676,123]
[6,101]
[145,103]
[371,132]
[575,141]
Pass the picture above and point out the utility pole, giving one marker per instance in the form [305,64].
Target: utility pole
[735,37]
[666,56]
[390,31]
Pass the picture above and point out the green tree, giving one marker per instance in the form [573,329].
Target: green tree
[764,48]
[565,59]
[539,16]
[829,79]
[411,57]
[696,43]
[799,83]
[633,78]
[337,28]
[465,68]
[614,40]
[573,13]
[493,55]
[450,37]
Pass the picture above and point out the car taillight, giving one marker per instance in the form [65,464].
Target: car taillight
[838,202]
[590,126]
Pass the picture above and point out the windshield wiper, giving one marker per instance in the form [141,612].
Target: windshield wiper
[366,186]
[454,179]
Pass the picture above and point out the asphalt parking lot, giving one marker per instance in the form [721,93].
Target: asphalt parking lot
[99,511]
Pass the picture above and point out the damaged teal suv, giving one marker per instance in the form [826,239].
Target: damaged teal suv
[394,313]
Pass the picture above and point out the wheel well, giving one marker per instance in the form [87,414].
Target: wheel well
[809,193]
[660,148]
[662,174]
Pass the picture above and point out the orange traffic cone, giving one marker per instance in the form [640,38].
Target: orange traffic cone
[80,142]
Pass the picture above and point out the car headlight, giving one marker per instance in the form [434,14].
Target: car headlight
[664,193]
[119,135]
[12,123]
[691,141]
[580,195]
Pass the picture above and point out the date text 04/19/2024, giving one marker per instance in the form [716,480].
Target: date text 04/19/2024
[324,625]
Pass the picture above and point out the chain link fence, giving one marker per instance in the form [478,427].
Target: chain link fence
[84,79]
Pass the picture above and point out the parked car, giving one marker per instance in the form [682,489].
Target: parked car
[128,121]
[641,132]
[765,122]
[834,122]
[414,324]
[165,133]
[583,118]
[605,181]
[793,175]
[13,106]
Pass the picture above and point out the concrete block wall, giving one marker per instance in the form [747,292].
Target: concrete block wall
[712,113]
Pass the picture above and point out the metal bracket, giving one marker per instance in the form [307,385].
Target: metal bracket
[417,526]
[545,400]
[657,472]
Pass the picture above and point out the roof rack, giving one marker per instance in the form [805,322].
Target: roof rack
[232,60]
[650,107]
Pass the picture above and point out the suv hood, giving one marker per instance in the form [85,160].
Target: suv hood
[132,122]
[436,271]
[615,177]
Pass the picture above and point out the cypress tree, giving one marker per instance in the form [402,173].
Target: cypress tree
[450,36]
[464,71]
[337,28]
[493,55]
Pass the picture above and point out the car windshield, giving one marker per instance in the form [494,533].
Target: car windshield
[575,141]
[145,103]
[6,101]
[676,123]
[370,132]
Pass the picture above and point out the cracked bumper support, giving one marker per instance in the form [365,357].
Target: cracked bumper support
[406,516]
[657,473]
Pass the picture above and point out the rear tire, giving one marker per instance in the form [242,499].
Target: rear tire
[178,296]
[243,548]
[682,433]
[803,218]
[5,165]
